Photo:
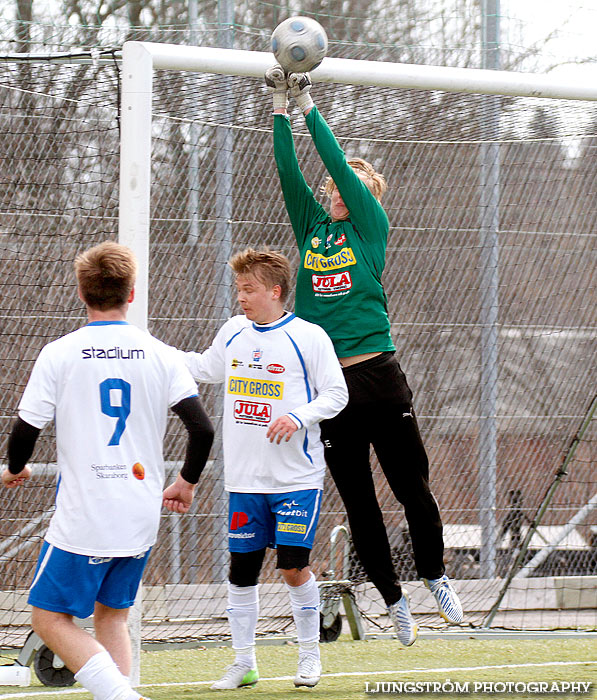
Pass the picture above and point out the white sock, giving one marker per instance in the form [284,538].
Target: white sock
[127,681]
[243,611]
[101,677]
[304,601]
[246,657]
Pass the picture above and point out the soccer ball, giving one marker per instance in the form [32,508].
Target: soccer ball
[299,44]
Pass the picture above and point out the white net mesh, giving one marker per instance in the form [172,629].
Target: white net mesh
[214,191]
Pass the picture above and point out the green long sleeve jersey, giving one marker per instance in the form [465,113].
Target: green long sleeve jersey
[339,279]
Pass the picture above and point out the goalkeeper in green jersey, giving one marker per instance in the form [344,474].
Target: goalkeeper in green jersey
[339,287]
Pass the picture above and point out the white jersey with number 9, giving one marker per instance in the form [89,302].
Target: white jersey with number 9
[108,386]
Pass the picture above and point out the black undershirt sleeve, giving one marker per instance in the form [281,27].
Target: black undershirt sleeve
[201,436]
[20,444]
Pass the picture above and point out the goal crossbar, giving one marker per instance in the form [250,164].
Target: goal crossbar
[359,72]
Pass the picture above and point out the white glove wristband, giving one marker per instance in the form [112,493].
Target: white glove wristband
[304,102]
[280,100]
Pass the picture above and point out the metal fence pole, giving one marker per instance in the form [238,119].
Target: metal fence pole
[489,300]
[224,179]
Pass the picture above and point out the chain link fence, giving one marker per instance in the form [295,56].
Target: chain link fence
[60,126]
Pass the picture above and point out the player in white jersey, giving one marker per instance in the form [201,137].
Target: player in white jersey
[108,387]
[281,378]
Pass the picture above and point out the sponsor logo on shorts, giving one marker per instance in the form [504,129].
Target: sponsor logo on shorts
[99,560]
[297,528]
[319,262]
[252,412]
[241,535]
[239,519]
[293,512]
[256,388]
[327,284]
[275,368]
[292,508]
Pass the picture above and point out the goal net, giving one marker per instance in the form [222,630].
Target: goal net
[490,278]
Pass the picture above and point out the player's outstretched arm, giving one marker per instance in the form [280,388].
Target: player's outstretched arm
[20,448]
[209,366]
[275,81]
[302,207]
[300,88]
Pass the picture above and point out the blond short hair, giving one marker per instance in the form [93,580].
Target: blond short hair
[268,266]
[375,181]
[106,275]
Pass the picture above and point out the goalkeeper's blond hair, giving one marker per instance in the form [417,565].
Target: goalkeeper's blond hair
[268,266]
[106,275]
[375,181]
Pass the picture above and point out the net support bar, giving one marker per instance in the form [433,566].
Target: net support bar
[542,554]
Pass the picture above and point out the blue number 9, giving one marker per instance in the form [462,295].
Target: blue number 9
[122,411]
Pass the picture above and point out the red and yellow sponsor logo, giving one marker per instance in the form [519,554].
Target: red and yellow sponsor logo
[319,263]
[252,411]
[328,284]
[138,471]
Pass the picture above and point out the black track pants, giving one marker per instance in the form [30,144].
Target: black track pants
[380,413]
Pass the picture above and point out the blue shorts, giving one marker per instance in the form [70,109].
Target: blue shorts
[72,583]
[259,520]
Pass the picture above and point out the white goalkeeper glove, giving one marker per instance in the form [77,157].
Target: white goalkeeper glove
[300,89]
[275,80]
